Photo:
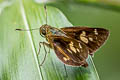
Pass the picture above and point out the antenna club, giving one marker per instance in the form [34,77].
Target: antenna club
[26,29]
[45,7]
[18,29]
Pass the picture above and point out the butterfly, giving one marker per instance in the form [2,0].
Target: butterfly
[72,45]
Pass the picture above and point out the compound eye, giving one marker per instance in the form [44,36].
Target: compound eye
[43,32]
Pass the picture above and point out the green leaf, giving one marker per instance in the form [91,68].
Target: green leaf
[18,50]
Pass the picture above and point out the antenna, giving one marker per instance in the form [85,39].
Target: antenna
[26,30]
[45,7]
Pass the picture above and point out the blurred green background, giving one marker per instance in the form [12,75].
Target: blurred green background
[99,13]
[92,13]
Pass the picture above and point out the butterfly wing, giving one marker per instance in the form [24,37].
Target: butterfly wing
[93,38]
[70,51]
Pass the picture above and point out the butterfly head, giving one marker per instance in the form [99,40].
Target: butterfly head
[44,29]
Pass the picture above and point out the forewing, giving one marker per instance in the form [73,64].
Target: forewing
[93,38]
[70,52]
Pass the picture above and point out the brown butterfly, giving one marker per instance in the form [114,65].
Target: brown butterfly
[72,45]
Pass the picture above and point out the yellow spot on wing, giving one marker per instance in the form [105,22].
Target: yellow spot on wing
[65,58]
[91,39]
[69,50]
[83,33]
[63,52]
[78,50]
[83,38]
[72,47]
[80,45]
[71,43]
[95,31]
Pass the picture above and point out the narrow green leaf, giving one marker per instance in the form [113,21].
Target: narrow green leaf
[18,50]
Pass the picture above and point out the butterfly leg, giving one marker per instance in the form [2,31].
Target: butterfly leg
[66,75]
[44,44]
